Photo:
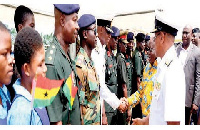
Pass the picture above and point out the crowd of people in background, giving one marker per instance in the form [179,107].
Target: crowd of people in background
[122,77]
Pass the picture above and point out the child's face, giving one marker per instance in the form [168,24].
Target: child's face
[37,64]
[6,60]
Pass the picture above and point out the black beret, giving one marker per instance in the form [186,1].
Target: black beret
[116,31]
[86,20]
[67,8]
[140,37]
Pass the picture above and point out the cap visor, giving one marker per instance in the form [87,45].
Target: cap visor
[125,41]
[154,31]
[109,29]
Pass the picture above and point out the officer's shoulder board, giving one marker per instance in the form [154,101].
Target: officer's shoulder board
[50,54]
[168,62]
[80,61]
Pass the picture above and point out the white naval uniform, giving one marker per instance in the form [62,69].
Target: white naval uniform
[168,98]
[98,57]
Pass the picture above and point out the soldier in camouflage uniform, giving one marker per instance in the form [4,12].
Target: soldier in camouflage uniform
[90,91]
[111,74]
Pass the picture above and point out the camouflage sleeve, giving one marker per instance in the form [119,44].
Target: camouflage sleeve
[83,83]
[82,75]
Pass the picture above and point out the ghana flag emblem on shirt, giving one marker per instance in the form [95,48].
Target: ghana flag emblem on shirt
[45,91]
[70,89]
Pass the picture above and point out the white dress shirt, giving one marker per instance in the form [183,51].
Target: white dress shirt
[168,98]
[98,57]
[183,54]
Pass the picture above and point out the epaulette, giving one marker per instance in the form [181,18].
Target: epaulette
[168,62]
[80,60]
[50,55]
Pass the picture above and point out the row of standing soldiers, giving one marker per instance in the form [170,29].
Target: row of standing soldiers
[125,69]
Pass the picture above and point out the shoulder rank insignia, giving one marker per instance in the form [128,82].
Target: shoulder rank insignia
[50,54]
[167,62]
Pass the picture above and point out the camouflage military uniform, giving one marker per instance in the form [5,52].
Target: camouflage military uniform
[111,82]
[89,93]
[122,79]
[60,67]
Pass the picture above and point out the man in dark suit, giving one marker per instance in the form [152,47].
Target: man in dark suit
[189,54]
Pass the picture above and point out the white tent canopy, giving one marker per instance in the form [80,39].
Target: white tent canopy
[182,13]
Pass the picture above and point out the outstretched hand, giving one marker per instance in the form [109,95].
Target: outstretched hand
[138,121]
[123,105]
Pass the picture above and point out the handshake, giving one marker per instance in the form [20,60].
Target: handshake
[123,105]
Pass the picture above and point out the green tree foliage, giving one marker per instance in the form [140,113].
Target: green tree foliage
[47,38]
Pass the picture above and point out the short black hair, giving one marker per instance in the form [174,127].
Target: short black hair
[27,42]
[21,14]
[3,27]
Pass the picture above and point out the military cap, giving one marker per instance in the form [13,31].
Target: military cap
[164,25]
[130,36]
[195,30]
[105,21]
[86,20]
[67,8]
[140,37]
[116,31]
[123,39]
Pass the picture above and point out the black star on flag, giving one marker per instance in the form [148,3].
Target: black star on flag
[46,94]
